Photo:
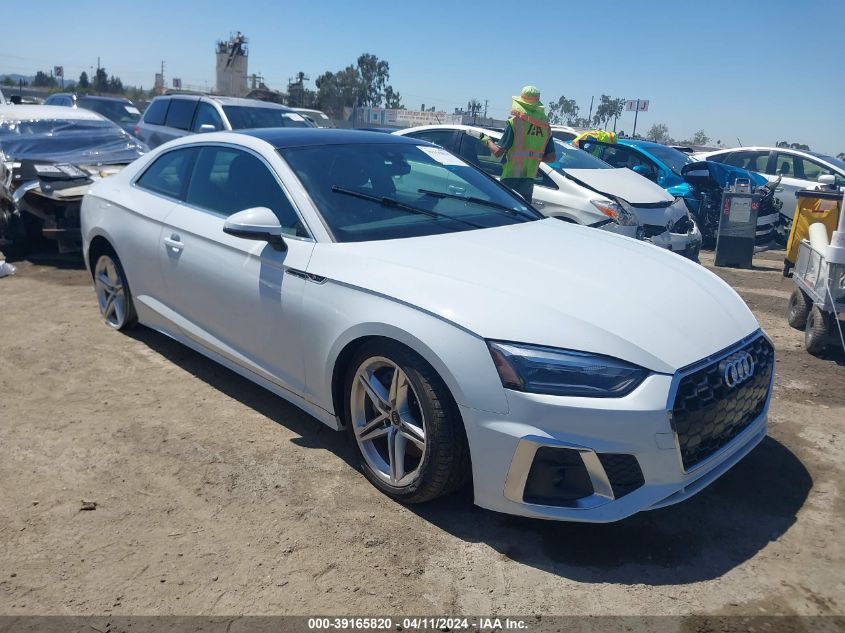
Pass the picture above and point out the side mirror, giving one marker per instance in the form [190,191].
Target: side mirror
[207,127]
[827,180]
[258,223]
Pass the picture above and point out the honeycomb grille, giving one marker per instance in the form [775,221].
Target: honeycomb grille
[707,413]
[623,472]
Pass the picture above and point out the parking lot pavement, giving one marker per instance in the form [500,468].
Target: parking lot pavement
[208,495]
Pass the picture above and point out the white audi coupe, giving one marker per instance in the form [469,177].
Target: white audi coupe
[387,287]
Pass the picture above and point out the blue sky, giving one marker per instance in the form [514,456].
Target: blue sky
[760,71]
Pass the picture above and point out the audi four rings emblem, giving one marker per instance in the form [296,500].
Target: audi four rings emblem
[737,369]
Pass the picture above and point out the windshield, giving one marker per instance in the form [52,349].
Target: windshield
[68,140]
[117,111]
[246,117]
[833,161]
[569,157]
[674,159]
[382,191]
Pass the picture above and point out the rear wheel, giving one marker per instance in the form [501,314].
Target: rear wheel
[799,309]
[816,332]
[405,424]
[113,296]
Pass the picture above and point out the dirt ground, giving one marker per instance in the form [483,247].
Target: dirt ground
[211,496]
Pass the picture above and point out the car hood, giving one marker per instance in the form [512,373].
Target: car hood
[555,284]
[620,182]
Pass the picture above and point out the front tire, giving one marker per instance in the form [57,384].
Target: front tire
[113,296]
[799,309]
[404,424]
[816,332]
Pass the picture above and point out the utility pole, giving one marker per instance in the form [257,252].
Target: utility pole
[590,116]
[485,108]
[636,113]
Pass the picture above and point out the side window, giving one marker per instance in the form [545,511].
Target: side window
[752,161]
[812,170]
[207,115]
[476,153]
[443,138]
[180,113]
[227,180]
[156,112]
[788,166]
[168,174]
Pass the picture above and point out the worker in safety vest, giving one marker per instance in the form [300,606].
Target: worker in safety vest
[526,142]
[602,136]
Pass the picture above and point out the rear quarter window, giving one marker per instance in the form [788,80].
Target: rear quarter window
[156,112]
[181,113]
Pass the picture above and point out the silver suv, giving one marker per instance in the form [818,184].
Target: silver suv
[173,116]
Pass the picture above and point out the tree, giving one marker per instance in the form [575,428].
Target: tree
[800,146]
[101,80]
[43,80]
[841,156]
[658,133]
[699,138]
[115,85]
[392,99]
[608,108]
[8,81]
[364,84]
[563,111]
[474,108]
[83,83]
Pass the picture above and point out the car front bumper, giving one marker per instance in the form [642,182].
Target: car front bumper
[504,448]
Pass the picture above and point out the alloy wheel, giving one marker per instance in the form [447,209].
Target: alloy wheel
[111,294]
[388,422]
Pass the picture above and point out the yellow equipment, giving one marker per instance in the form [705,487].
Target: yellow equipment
[812,206]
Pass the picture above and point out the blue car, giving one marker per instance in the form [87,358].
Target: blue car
[664,165]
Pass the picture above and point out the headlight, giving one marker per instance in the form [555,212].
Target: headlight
[616,211]
[561,372]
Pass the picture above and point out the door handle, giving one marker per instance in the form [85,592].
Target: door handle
[538,203]
[174,243]
[778,189]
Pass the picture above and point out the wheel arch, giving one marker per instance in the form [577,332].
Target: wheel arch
[98,245]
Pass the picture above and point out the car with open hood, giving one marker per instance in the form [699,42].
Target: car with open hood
[390,288]
[49,156]
[581,188]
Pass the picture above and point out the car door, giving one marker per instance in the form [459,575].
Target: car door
[790,168]
[180,115]
[237,297]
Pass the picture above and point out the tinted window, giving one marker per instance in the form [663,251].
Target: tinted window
[570,157]
[443,138]
[752,161]
[169,173]
[427,191]
[181,113]
[156,112]
[207,115]
[248,117]
[228,180]
[474,151]
[117,111]
[674,159]
[563,136]
[812,170]
[788,166]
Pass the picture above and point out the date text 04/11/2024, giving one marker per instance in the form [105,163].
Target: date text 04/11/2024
[417,623]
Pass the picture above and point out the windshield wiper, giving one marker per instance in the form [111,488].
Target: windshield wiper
[391,202]
[486,203]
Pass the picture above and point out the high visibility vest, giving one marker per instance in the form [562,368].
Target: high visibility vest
[602,136]
[531,133]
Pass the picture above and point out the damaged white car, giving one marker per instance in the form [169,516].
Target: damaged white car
[49,157]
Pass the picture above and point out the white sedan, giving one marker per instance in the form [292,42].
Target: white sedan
[797,169]
[580,188]
[385,286]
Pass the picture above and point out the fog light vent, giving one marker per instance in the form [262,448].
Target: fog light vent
[557,477]
[623,472]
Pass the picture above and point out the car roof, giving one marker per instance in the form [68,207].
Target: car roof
[236,101]
[43,112]
[102,98]
[305,136]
